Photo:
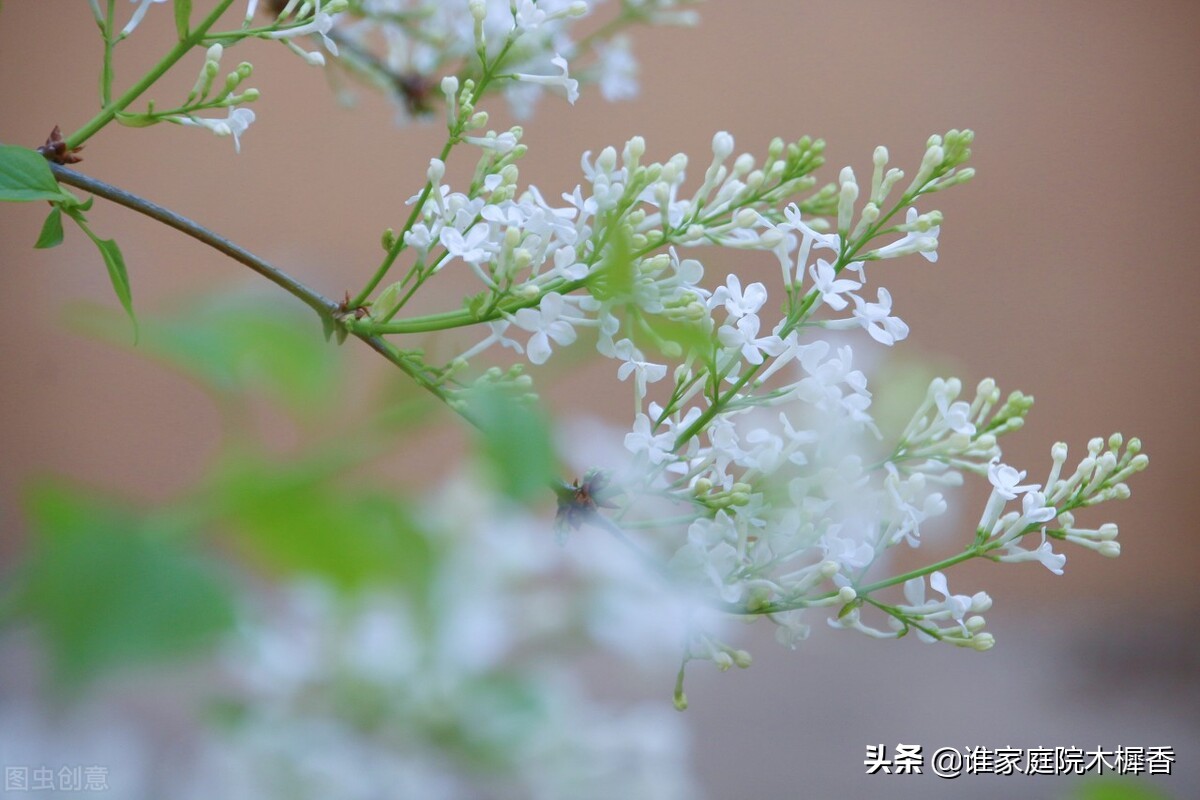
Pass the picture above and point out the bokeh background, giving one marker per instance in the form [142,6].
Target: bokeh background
[1067,270]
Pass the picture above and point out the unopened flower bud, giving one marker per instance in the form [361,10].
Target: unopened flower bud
[745,218]
[722,145]
[437,168]
[607,160]
[983,641]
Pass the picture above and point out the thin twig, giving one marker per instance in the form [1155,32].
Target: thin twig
[329,311]
[312,298]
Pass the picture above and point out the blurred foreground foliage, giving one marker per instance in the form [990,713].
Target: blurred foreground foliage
[107,585]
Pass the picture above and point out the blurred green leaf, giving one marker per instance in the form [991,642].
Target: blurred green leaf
[105,591]
[1117,789]
[25,176]
[670,337]
[613,280]
[118,276]
[113,260]
[516,443]
[52,230]
[238,343]
[291,517]
[183,12]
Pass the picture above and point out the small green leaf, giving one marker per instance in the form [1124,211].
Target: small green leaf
[294,518]
[183,12]
[106,590]
[516,443]
[118,275]
[671,337]
[132,119]
[1108,788]
[476,303]
[386,300]
[52,230]
[113,260]
[25,176]
[239,343]
[616,276]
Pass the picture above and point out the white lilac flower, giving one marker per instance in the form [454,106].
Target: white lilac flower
[564,81]
[472,248]
[831,287]
[739,303]
[138,14]
[657,447]
[501,144]
[1044,555]
[766,452]
[496,329]
[743,337]
[607,179]
[635,364]
[847,553]
[1005,480]
[618,69]
[877,318]
[914,241]
[566,225]
[956,416]
[810,237]
[234,124]
[320,24]
[957,604]
[548,322]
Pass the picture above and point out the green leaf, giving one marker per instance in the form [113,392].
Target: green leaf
[1107,788]
[52,230]
[106,590]
[183,12]
[386,300]
[118,275]
[25,176]
[671,337]
[293,518]
[614,279]
[241,343]
[132,119]
[516,443]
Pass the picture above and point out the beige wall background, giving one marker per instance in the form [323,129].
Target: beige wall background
[1068,269]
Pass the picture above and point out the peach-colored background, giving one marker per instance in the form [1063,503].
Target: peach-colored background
[1067,269]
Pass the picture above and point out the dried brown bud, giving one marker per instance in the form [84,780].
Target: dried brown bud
[55,149]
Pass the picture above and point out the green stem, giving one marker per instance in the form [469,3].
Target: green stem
[329,311]
[310,297]
[106,71]
[455,137]
[845,257]
[181,48]
[459,319]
